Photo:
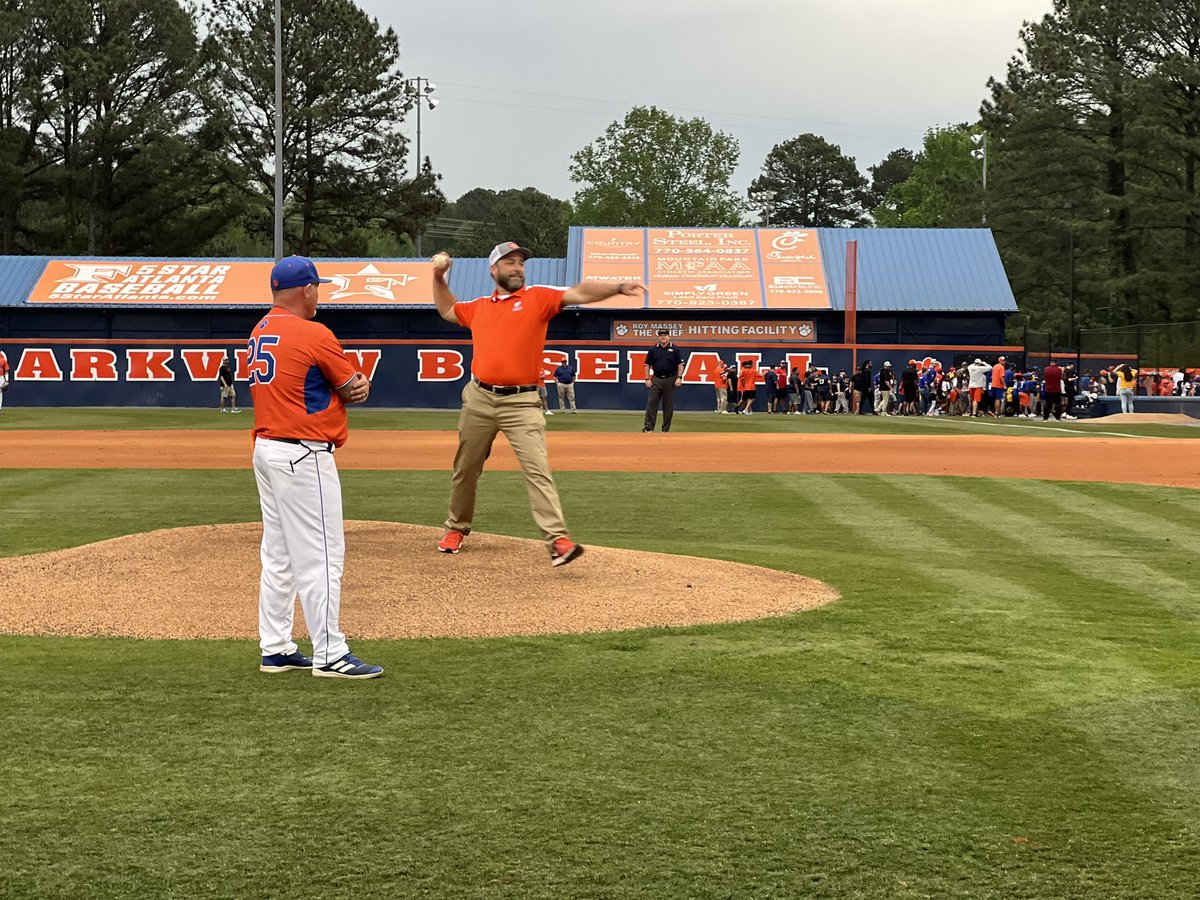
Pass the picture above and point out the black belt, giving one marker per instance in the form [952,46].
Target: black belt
[505,389]
[300,441]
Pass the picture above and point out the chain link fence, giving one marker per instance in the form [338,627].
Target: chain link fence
[1168,346]
[1037,349]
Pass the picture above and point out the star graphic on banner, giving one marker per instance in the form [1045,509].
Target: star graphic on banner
[369,282]
[95,273]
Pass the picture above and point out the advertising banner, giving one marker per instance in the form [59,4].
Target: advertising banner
[158,283]
[692,268]
[717,330]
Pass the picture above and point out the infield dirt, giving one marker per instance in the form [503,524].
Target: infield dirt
[1163,461]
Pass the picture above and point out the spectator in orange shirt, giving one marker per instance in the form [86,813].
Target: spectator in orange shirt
[721,383]
[747,385]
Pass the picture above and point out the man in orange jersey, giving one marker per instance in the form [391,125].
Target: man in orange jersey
[508,335]
[300,381]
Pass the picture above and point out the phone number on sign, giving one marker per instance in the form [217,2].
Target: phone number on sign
[697,301]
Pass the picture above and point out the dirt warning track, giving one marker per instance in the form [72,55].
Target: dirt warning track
[1165,461]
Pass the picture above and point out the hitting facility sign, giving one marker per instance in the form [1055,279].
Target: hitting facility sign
[109,283]
[733,268]
[716,330]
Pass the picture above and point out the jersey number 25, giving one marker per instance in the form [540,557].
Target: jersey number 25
[260,360]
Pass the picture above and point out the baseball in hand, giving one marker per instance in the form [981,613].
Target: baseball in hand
[441,261]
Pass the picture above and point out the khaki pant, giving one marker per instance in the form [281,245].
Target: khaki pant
[519,416]
[566,392]
[722,399]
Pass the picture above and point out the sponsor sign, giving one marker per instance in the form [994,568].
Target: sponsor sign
[691,268]
[709,330]
[173,283]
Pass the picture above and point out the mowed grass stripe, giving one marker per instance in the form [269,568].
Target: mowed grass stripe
[1120,562]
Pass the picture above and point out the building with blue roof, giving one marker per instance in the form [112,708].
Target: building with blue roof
[733,294]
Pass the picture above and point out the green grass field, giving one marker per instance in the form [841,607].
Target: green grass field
[1005,703]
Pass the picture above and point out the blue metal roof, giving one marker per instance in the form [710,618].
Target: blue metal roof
[18,275]
[918,270]
[471,278]
[899,270]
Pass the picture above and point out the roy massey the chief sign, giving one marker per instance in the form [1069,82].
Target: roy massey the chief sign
[684,332]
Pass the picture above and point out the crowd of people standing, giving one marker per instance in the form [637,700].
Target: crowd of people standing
[980,389]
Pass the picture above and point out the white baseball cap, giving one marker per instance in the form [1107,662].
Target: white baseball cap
[502,250]
[978,361]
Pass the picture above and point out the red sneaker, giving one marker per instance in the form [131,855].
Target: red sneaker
[452,542]
[564,551]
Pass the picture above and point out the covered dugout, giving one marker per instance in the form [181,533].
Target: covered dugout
[151,332]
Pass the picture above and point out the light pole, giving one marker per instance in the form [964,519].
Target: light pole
[763,198]
[278,130]
[418,90]
[980,152]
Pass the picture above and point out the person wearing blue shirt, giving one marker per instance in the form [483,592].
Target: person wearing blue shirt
[565,376]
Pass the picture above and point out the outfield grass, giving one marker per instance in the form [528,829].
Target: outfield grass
[1003,704]
[120,418]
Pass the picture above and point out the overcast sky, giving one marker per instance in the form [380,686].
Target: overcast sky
[522,86]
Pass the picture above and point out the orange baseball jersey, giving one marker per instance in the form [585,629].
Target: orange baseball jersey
[3,363]
[296,366]
[508,332]
[747,379]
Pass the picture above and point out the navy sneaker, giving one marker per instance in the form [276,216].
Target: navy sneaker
[349,666]
[285,662]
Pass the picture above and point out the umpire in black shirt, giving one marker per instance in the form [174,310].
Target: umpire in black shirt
[664,363]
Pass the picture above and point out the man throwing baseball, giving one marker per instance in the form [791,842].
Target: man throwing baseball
[300,381]
[508,335]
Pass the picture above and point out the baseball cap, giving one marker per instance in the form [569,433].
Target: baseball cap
[887,365]
[978,361]
[1001,358]
[293,272]
[663,331]
[502,250]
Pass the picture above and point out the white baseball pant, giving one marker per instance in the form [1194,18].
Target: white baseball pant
[303,546]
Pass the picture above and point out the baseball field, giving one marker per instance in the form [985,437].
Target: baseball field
[995,693]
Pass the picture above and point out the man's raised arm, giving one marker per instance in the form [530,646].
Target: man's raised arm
[594,293]
[443,297]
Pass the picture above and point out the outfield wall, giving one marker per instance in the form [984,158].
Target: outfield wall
[420,374]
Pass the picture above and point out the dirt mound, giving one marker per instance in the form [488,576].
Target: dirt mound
[1136,418]
[202,582]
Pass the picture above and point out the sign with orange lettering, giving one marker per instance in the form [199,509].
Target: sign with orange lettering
[177,283]
[709,268]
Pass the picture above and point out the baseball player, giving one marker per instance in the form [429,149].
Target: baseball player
[508,335]
[3,378]
[300,381]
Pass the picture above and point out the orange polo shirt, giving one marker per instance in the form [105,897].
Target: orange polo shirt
[508,332]
[998,375]
[747,379]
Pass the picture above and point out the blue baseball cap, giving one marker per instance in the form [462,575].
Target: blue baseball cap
[294,272]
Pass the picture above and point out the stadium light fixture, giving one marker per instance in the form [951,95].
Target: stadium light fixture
[764,199]
[980,153]
[419,91]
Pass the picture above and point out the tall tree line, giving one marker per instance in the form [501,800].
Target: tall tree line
[1095,137]
[123,132]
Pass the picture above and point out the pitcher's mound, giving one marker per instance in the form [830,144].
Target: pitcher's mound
[202,582]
